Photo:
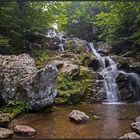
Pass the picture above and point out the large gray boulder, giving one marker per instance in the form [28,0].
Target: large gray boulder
[20,80]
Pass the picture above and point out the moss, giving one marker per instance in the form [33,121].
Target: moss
[49,109]
[72,91]
[62,100]
[41,57]
[15,108]
[74,46]
[85,59]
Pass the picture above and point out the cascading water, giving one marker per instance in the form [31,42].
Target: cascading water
[109,72]
[60,36]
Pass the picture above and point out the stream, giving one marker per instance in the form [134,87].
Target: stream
[106,121]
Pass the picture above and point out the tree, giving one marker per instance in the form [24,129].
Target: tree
[118,22]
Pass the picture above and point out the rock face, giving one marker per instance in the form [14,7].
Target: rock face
[21,80]
[47,42]
[123,87]
[76,45]
[131,135]
[136,127]
[78,116]
[24,130]
[103,48]
[4,120]
[70,70]
[5,133]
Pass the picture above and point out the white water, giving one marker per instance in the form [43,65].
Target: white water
[60,36]
[109,72]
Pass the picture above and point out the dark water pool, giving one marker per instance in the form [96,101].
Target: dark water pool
[107,121]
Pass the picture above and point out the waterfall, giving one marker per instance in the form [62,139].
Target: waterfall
[60,36]
[109,72]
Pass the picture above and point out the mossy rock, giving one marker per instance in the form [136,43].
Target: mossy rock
[4,119]
[71,91]
[76,45]
[85,59]
[49,109]
[61,100]
[14,108]
[42,57]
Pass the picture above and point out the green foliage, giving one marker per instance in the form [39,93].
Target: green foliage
[71,91]
[4,41]
[85,59]
[41,57]
[78,17]
[19,20]
[119,22]
[14,108]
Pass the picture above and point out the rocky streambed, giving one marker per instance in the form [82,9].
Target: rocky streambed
[106,121]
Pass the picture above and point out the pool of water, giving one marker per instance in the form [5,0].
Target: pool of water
[106,121]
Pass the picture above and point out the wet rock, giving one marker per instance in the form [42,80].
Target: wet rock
[123,87]
[20,80]
[71,70]
[131,135]
[131,64]
[78,116]
[5,133]
[99,95]
[128,54]
[24,130]
[4,120]
[103,48]
[136,127]
[99,76]
[96,117]
[58,63]
[86,59]
[49,41]
[76,45]
[137,119]
[95,64]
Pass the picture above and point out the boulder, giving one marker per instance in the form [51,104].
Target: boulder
[20,80]
[4,120]
[5,133]
[103,48]
[71,70]
[24,130]
[131,135]
[76,45]
[137,119]
[57,63]
[123,86]
[130,64]
[78,116]
[136,127]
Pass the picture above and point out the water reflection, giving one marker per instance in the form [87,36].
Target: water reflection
[107,121]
